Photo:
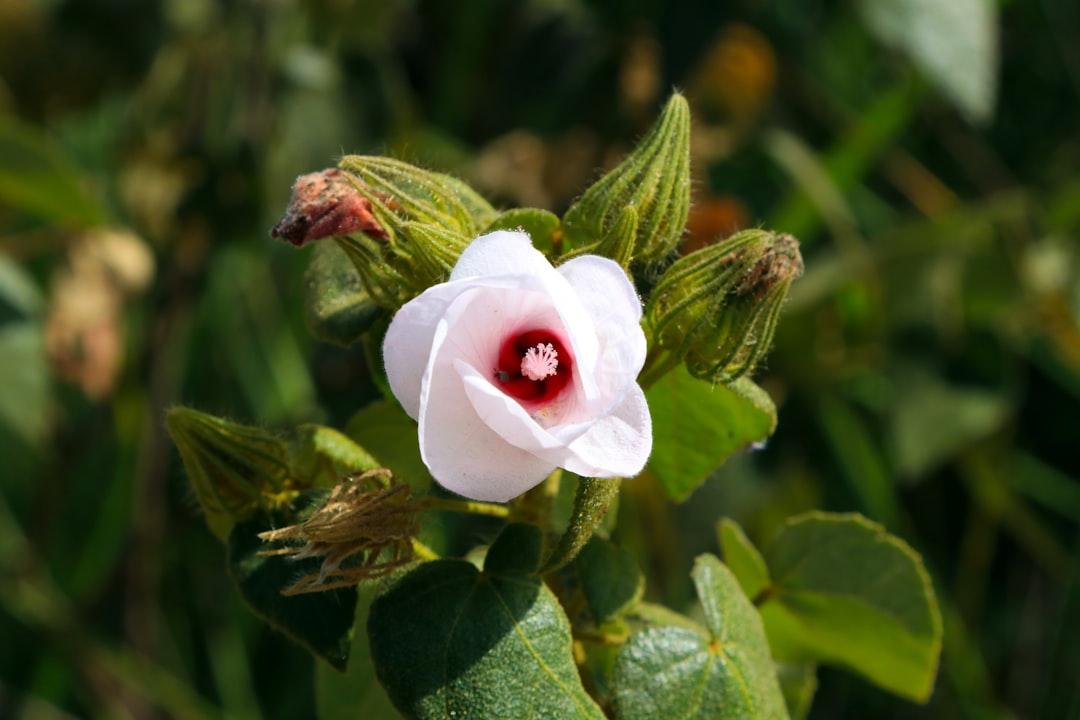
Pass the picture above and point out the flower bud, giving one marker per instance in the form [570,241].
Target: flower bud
[428,219]
[717,308]
[364,530]
[235,470]
[654,179]
[325,204]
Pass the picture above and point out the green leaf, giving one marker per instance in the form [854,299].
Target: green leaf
[953,43]
[451,641]
[611,580]
[320,456]
[798,683]
[37,178]
[337,308]
[24,403]
[356,693]
[384,426]
[541,225]
[674,673]
[742,558]
[846,592]
[933,421]
[697,427]
[516,550]
[321,622]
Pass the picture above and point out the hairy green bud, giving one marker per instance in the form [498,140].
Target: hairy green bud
[717,308]
[654,180]
[427,219]
[237,471]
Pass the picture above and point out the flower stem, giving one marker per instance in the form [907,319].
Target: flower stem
[465,506]
[422,551]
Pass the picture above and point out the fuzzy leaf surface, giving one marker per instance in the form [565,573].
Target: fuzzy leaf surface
[451,641]
[675,673]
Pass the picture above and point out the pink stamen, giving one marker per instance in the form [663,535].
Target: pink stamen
[540,362]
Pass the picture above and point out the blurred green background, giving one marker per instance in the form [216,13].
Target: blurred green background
[927,370]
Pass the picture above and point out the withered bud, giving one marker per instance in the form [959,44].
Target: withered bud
[717,307]
[326,204]
[363,531]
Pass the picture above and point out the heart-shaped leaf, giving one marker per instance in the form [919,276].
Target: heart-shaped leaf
[451,641]
[674,672]
[846,592]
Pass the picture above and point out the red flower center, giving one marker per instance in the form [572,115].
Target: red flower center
[534,366]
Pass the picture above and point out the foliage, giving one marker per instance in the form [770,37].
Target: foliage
[924,373]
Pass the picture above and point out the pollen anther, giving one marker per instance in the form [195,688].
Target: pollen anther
[540,362]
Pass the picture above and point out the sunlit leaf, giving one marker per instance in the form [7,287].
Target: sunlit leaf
[742,558]
[846,592]
[673,672]
[696,427]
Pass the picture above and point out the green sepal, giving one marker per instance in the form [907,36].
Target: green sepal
[429,218]
[449,640]
[717,308]
[846,592]
[617,244]
[696,428]
[542,226]
[337,308]
[674,672]
[235,470]
[408,192]
[591,502]
[321,622]
[654,179]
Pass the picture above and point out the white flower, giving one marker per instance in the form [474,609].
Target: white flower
[513,368]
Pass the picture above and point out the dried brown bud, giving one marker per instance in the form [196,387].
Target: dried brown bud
[326,204]
[363,531]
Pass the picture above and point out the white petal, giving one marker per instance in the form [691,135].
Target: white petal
[614,445]
[618,444]
[609,298]
[407,346]
[465,454]
[500,253]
